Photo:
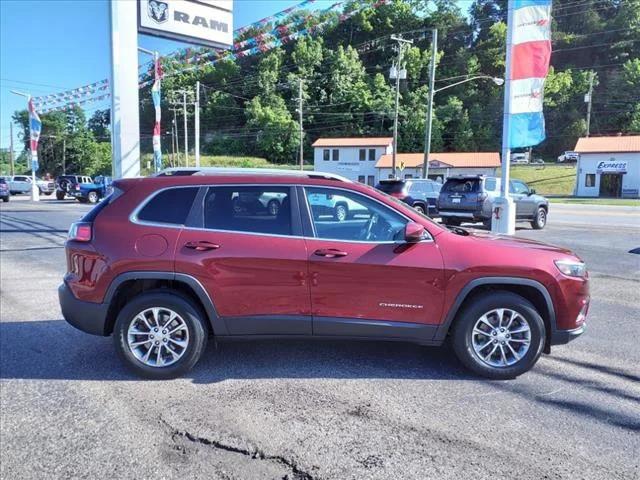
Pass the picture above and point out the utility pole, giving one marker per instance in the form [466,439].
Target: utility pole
[397,72]
[589,98]
[11,160]
[186,132]
[64,155]
[300,122]
[175,130]
[429,119]
[173,143]
[197,126]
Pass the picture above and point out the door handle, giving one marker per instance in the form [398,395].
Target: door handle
[330,253]
[202,246]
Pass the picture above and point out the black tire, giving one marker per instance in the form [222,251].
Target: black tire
[341,212]
[5,199]
[540,220]
[92,197]
[454,222]
[273,207]
[487,224]
[468,316]
[48,193]
[420,208]
[60,195]
[190,313]
[82,200]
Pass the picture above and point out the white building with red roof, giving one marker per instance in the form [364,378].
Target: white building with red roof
[608,166]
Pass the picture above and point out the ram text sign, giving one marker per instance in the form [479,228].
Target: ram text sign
[203,22]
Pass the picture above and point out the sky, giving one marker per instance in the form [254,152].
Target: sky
[47,46]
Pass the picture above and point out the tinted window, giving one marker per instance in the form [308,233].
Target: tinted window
[169,206]
[362,155]
[2,180]
[461,185]
[251,209]
[372,154]
[325,154]
[344,215]
[336,155]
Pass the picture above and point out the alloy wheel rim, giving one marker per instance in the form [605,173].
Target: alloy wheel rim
[341,213]
[501,337]
[158,337]
[541,217]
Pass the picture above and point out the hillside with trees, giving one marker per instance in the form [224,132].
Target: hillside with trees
[249,105]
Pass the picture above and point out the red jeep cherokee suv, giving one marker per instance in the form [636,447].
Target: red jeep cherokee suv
[167,261]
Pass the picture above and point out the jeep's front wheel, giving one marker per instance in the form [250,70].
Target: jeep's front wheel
[160,335]
[499,335]
[93,197]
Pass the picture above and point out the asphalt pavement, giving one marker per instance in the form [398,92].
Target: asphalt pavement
[316,410]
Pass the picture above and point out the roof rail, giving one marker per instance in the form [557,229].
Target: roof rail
[186,171]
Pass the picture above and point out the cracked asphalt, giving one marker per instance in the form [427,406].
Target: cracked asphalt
[316,410]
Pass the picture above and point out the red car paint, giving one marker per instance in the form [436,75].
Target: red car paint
[255,274]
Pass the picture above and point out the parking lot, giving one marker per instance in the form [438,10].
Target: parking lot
[317,410]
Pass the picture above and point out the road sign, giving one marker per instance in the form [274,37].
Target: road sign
[203,22]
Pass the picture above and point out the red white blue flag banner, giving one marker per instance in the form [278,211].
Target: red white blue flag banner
[530,52]
[35,127]
[155,94]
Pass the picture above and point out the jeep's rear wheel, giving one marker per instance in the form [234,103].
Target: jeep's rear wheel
[160,335]
[499,335]
[93,197]
[60,195]
[540,220]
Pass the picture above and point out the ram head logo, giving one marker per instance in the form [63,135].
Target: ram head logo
[158,11]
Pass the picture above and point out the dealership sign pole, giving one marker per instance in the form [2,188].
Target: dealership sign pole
[527,65]
[202,22]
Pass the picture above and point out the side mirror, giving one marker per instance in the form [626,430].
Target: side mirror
[532,191]
[413,232]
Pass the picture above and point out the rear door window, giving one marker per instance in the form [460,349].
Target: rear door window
[171,206]
[264,209]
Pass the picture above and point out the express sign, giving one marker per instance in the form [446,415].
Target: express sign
[203,22]
[611,166]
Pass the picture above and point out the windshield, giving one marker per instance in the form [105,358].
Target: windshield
[391,187]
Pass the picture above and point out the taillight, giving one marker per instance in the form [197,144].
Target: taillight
[80,232]
[77,186]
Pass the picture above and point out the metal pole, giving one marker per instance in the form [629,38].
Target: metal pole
[300,121]
[197,122]
[186,132]
[432,78]
[504,220]
[11,160]
[400,41]
[175,124]
[395,119]
[64,155]
[173,144]
[589,104]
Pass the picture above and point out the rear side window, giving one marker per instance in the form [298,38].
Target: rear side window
[170,206]
[251,209]
[461,185]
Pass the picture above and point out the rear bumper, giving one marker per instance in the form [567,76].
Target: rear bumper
[462,214]
[86,316]
[560,337]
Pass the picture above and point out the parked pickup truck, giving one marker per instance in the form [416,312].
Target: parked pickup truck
[22,184]
[93,192]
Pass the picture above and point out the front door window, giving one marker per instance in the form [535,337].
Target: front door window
[345,215]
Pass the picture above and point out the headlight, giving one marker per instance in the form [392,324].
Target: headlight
[572,268]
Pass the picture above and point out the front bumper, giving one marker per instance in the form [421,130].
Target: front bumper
[86,316]
[560,337]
